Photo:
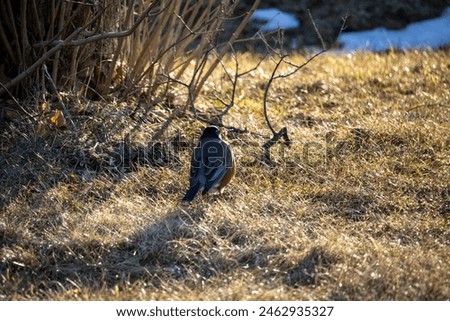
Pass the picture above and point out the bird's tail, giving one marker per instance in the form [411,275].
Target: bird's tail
[191,193]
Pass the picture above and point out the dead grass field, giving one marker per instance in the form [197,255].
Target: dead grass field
[357,209]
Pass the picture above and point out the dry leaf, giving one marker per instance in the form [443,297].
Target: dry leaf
[44,108]
[57,119]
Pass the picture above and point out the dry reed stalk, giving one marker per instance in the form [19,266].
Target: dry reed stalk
[177,36]
[146,40]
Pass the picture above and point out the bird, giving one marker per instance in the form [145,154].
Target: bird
[212,165]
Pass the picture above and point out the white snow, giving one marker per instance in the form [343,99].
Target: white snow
[431,33]
[274,19]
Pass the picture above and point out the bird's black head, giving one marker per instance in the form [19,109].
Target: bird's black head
[211,131]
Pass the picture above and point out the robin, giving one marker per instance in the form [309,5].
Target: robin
[212,165]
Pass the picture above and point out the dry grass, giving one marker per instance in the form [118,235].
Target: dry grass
[357,209]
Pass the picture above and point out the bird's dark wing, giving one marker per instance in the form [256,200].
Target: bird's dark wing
[215,162]
[211,160]
[197,179]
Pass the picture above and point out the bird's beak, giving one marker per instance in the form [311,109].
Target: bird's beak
[222,131]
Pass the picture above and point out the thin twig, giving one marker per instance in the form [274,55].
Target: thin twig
[234,81]
[319,35]
[266,91]
[17,103]
[283,132]
[191,99]
[297,67]
[228,45]
[55,90]
[424,105]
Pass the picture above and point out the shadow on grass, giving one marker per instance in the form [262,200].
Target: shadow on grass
[31,164]
[34,268]
[177,248]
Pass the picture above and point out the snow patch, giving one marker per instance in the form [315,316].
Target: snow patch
[273,19]
[431,33]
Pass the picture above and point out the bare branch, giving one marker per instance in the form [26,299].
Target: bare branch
[55,90]
[266,91]
[297,67]
[53,41]
[191,99]
[70,42]
[234,36]
[319,35]
[57,54]
[283,132]
[109,35]
[39,62]
[275,138]
[234,81]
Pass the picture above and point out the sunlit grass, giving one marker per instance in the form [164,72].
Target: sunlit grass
[357,209]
